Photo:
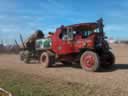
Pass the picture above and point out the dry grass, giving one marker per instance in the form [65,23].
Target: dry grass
[33,80]
[21,84]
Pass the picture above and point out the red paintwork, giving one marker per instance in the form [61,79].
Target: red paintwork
[61,47]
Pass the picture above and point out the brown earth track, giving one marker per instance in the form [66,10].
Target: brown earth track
[114,78]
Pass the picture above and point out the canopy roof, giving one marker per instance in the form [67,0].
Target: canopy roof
[83,26]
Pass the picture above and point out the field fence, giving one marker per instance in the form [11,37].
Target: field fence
[9,49]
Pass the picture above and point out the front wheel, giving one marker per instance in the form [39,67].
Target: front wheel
[46,59]
[90,61]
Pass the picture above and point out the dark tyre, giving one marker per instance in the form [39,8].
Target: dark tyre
[108,59]
[90,61]
[46,59]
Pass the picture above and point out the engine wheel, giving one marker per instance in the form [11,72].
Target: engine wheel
[90,61]
[108,59]
[46,59]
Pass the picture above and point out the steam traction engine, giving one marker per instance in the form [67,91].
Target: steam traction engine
[82,43]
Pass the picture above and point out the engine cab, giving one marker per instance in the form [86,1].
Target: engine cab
[73,38]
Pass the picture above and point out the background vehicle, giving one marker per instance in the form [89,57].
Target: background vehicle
[82,43]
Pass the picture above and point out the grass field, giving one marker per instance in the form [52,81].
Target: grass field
[33,80]
[31,85]
[20,84]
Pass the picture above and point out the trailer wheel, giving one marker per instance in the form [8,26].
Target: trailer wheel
[109,60]
[27,60]
[90,61]
[46,59]
[26,57]
[21,55]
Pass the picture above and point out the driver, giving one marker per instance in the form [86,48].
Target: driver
[78,35]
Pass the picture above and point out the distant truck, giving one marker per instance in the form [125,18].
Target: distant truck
[82,43]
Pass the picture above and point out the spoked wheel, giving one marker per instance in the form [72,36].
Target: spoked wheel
[46,59]
[108,59]
[90,61]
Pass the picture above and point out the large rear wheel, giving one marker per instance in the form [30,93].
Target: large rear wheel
[90,61]
[46,59]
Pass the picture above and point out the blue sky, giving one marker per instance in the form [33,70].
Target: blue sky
[26,16]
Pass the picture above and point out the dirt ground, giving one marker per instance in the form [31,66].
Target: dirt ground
[117,77]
